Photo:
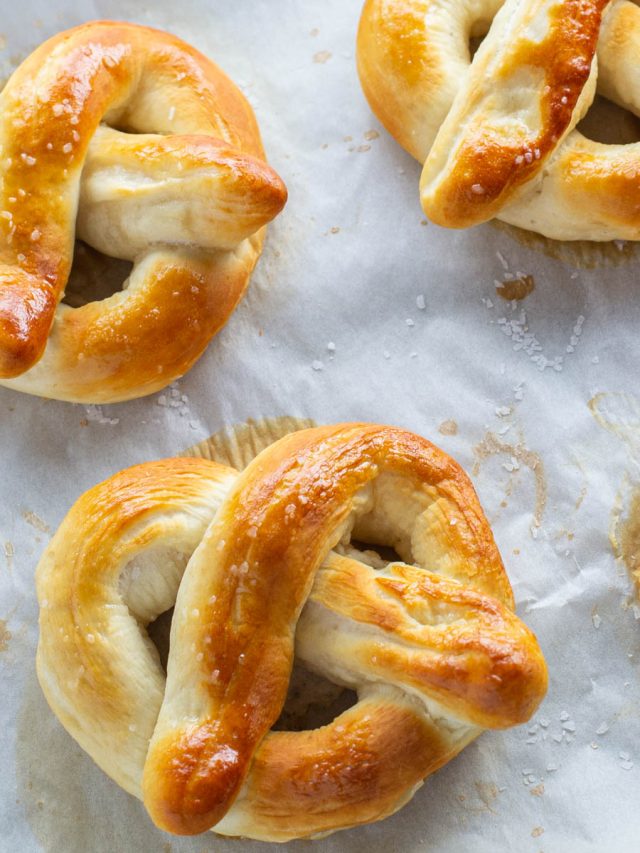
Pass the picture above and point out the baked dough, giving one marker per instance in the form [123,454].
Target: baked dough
[430,643]
[498,136]
[140,145]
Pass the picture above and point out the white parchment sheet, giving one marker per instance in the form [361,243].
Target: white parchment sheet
[421,338]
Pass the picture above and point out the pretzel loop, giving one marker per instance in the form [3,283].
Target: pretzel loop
[140,145]
[429,643]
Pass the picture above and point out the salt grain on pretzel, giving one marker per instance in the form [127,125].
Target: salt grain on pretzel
[430,643]
[139,145]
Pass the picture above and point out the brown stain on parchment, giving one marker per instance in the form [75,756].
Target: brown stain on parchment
[619,413]
[322,56]
[35,521]
[5,636]
[492,446]
[624,533]
[449,427]
[516,288]
[582,254]
[486,794]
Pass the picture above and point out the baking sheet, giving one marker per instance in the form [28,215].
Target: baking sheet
[538,399]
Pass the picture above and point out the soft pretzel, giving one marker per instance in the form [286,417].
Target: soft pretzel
[498,135]
[140,145]
[430,643]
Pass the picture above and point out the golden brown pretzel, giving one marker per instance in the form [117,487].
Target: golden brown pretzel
[498,135]
[132,139]
[431,645]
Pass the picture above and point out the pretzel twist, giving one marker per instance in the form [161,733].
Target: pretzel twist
[431,644]
[134,141]
[497,135]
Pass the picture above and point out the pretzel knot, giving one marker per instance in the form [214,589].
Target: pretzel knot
[430,642]
[132,139]
[498,135]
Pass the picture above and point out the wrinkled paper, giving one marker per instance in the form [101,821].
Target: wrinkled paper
[359,309]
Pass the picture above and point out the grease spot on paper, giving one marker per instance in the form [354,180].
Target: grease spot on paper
[619,413]
[449,427]
[516,288]
[517,455]
[34,520]
[5,636]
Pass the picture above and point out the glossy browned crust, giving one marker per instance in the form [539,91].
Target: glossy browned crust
[484,156]
[611,185]
[115,354]
[434,655]
[92,69]
[397,68]
[360,768]
[84,558]
[484,662]
[195,769]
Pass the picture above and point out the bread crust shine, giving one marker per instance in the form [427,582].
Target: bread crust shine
[184,194]
[497,136]
[259,567]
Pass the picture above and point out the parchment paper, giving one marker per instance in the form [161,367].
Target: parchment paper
[421,340]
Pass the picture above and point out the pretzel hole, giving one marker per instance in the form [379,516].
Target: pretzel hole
[375,555]
[474,44]
[312,701]
[609,123]
[159,632]
[94,276]
[477,34]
